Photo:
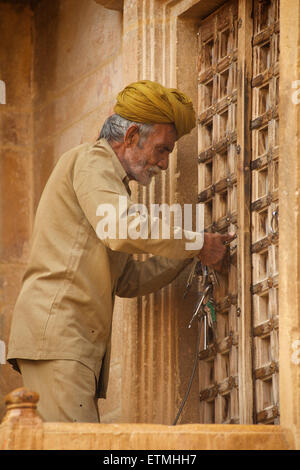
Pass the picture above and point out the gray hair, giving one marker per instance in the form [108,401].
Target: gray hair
[115,128]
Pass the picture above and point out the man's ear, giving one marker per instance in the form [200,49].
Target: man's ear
[131,137]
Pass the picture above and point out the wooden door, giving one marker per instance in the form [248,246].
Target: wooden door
[264,209]
[238,185]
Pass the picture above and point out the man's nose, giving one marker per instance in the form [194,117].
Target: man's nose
[164,163]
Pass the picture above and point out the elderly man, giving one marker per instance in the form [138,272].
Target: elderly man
[61,328]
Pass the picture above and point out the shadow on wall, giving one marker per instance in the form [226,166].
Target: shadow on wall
[46,23]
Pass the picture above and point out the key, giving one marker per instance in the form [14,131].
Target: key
[214,277]
[196,310]
[190,278]
[203,275]
[199,305]
[210,309]
[205,332]
[212,317]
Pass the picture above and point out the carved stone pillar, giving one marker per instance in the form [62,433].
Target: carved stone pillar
[21,427]
[164,345]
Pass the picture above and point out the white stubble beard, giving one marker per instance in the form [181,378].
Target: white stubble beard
[141,175]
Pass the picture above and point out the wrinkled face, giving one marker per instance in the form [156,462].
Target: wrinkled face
[149,156]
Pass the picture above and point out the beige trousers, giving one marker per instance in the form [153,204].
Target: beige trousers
[66,388]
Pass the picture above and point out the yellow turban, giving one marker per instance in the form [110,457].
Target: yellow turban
[151,103]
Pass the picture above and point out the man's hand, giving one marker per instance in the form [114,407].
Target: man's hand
[214,249]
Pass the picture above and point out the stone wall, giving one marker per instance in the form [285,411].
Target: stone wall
[289,182]
[16,176]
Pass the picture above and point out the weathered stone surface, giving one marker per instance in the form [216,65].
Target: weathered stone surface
[15,128]
[112,4]
[161,437]
[16,54]
[22,428]
[15,179]
[75,39]
[10,281]
[289,181]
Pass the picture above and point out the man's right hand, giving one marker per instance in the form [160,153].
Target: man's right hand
[214,250]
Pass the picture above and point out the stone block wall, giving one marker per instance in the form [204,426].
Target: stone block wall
[77,73]
[15,166]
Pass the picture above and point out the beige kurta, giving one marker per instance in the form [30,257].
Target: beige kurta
[64,309]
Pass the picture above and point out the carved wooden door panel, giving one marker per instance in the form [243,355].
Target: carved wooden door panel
[238,185]
[264,208]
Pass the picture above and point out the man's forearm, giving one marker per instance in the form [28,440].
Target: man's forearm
[145,277]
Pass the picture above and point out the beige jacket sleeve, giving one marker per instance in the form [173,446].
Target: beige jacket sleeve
[144,277]
[102,194]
